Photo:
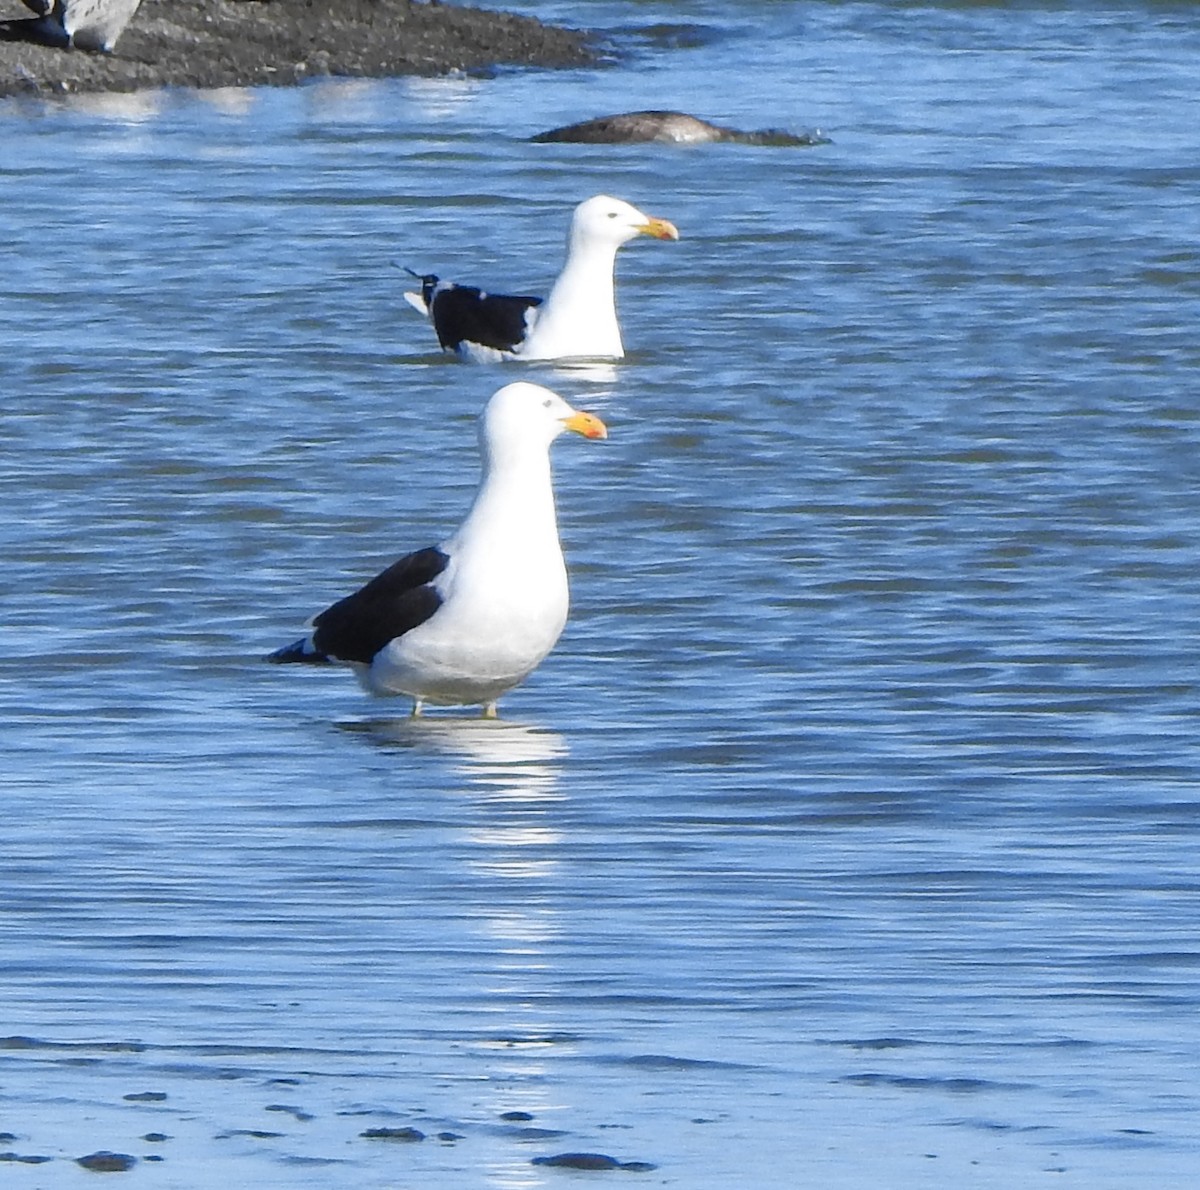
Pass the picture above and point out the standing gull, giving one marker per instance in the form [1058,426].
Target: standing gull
[578,319]
[462,622]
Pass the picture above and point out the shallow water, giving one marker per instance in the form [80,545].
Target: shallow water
[847,838]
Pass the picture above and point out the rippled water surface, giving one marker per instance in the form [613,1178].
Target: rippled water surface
[847,839]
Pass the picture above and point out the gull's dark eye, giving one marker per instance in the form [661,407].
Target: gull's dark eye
[547,403]
[612,214]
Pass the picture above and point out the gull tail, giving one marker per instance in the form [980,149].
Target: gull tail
[298,651]
[422,302]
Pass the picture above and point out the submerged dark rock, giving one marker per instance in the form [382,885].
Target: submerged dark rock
[665,127]
[235,43]
[579,1161]
[593,1161]
[25,1158]
[404,1135]
[106,1162]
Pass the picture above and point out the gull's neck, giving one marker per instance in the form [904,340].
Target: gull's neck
[516,495]
[580,315]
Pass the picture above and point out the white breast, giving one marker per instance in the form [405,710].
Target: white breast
[500,616]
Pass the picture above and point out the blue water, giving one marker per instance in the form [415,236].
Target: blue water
[847,839]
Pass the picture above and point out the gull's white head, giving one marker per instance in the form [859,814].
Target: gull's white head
[604,219]
[529,413]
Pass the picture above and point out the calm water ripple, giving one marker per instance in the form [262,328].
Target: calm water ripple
[848,837]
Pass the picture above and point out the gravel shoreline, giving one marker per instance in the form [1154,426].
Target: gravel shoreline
[237,43]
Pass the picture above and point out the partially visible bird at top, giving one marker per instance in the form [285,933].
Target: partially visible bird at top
[578,320]
[463,622]
[83,24]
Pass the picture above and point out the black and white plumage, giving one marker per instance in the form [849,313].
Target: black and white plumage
[465,621]
[84,24]
[577,320]
[462,314]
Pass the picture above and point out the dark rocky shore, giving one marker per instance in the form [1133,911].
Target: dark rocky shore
[229,43]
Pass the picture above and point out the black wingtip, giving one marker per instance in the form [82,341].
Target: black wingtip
[298,651]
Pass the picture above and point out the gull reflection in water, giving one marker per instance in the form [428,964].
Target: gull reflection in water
[441,96]
[506,765]
[591,371]
[500,759]
[510,847]
[336,99]
[230,101]
[131,107]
